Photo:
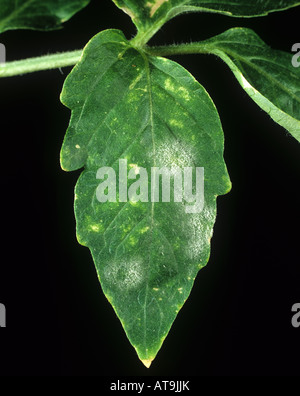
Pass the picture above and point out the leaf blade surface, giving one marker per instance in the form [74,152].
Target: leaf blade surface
[147,13]
[37,14]
[267,75]
[152,113]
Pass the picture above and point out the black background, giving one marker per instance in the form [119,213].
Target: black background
[237,320]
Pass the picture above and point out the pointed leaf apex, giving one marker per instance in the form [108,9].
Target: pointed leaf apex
[147,362]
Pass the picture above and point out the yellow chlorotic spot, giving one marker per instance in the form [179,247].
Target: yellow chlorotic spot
[95,227]
[133,241]
[176,123]
[145,229]
[77,146]
[169,86]
[127,228]
[184,93]
[155,289]
[133,84]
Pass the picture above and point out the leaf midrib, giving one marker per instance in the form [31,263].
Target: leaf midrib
[149,82]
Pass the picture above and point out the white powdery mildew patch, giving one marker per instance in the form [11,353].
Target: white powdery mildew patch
[200,232]
[174,155]
[125,274]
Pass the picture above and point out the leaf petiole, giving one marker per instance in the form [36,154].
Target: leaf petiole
[40,63]
[64,59]
[179,49]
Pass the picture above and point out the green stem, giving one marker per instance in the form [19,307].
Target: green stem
[64,59]
[179,49]
[142,38]
[46,62]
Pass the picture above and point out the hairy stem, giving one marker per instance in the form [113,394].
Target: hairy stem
[64,59]
[179,49]
[46,62]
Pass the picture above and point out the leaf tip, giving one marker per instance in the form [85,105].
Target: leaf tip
[147,362]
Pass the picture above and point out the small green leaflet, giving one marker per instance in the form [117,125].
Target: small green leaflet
[37,14]
[150,113]
[148,13]
[267,75]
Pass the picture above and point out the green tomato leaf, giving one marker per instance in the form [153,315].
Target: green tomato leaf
[37,14]
[267,75]
[132,115]
[152,14]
